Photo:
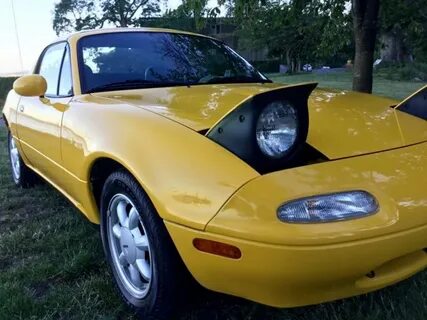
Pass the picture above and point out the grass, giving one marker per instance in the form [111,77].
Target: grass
[5,86]
[52,265]
[343,80]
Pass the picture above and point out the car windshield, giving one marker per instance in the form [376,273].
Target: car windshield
[115,61]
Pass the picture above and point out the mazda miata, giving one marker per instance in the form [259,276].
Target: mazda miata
[197,166]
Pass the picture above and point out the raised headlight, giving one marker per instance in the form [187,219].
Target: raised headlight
[329,207]
[269,130]
[276,129]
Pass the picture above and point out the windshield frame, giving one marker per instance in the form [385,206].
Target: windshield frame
[80,63]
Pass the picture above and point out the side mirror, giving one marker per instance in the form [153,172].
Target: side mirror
[32,85]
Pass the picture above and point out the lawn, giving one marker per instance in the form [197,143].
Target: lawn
[343,80]
[52,266]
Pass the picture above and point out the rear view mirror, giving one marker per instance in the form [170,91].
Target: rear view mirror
[32,85]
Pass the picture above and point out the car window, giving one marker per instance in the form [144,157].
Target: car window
[65,81]
[159,59]
[50,65]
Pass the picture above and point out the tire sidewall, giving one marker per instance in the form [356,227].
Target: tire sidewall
[115,184]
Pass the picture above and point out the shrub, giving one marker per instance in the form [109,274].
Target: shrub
[5,86]
[416,71]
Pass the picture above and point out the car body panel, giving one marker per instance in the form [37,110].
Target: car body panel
[290,276]
[394,177]
[39,130]
[187,177]
[345,123]
[204,105]
[357,123]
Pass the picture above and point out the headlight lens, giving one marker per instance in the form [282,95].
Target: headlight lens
[276,129]
[328,208]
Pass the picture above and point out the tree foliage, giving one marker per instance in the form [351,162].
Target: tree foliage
[191,15]
[297,31]
[404,24]
[70,15]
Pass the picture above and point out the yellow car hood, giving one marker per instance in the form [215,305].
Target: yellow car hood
[342,123]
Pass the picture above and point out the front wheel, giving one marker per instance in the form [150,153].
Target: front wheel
[22,176]
[146,268]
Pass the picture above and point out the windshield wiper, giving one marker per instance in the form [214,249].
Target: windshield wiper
[134,84]
[235,79]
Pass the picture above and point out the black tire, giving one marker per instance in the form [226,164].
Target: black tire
[168,273]
[25,177]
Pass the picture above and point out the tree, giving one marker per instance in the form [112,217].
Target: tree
[297,31]
[191,15]
[124,13]
[365,24]
[70,15]
[403,30]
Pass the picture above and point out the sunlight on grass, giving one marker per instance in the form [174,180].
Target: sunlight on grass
[343,80]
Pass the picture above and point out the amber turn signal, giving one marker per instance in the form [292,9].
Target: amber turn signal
[217,248]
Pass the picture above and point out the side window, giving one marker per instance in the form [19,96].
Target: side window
[65,81]
[50,65]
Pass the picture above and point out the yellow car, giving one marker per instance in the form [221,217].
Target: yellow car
[195,163]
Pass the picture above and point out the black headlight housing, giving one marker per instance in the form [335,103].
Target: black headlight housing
[268,130]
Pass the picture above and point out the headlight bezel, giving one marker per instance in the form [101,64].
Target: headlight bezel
[236,131]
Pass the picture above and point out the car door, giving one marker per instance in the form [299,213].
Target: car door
[39,118]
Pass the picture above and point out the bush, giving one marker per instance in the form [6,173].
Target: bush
[5,86]
[269,66]
[416,71]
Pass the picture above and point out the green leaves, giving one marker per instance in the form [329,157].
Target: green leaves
[297,31]
[75,15]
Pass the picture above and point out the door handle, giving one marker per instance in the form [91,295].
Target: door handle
[21,108]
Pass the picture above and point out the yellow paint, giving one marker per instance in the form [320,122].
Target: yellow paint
[396,178]
[289,276]
[31,85]
[203,190]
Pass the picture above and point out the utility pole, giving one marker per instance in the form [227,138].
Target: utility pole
[17,36]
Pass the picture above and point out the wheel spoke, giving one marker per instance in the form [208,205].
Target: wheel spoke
[135,276]
[121,214]
[133,219]
[14,155]
[122,259]
[142,243]
[116,231]
[144,268]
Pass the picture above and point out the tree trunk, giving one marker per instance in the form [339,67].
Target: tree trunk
[365,17]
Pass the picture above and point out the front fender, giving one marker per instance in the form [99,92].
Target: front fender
[187,176]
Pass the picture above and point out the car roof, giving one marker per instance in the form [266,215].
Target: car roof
[80,34]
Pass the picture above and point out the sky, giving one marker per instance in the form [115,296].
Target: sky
[34,30]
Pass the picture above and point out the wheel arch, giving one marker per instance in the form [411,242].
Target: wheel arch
[100,168]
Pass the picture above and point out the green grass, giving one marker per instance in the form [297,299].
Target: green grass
[52,265]
[5,86]
[343,80]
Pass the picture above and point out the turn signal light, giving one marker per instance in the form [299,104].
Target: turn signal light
[217,248]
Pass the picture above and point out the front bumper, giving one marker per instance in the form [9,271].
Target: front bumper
[290,276]
[288,265]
